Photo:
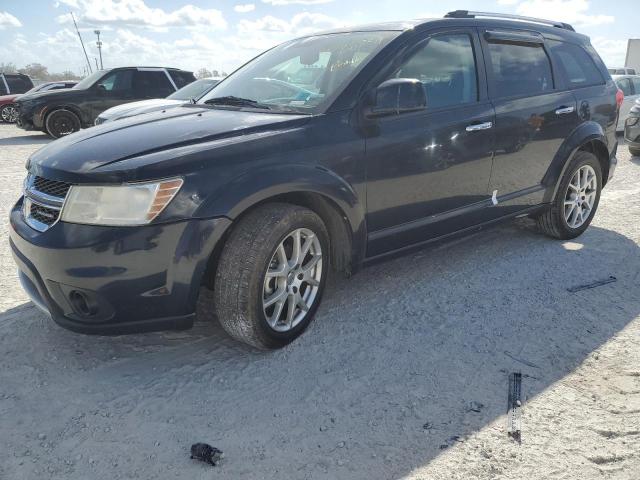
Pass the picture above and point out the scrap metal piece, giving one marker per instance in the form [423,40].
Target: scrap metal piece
[514,405]
[588,286]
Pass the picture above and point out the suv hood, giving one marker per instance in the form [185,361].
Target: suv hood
[119,151]
[47,94]
[136,108]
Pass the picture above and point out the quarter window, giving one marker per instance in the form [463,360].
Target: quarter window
[520,69]
[575,64]
[446,67]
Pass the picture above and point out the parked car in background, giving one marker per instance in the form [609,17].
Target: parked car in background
[8,107]
[14,83]
[61,112]
[630,86]
[632,129]
[622,71]
[192,92]
[404,137]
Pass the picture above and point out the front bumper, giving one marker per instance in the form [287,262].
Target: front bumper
[115,280]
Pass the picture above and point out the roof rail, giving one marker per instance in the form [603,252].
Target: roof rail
[469,14]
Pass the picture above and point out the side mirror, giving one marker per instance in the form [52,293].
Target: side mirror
[101,89]
[397,96]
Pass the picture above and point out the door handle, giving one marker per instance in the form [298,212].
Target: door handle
[565,110]
[476,127]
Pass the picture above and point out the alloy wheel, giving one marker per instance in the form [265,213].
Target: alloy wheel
[292,280]
[10,114]
[580,196]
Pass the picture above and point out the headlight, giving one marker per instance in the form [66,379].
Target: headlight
[130,204]
[631,121]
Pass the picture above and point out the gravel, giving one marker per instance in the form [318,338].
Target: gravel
[424,340]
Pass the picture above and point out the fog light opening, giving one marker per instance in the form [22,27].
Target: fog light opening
[81,304]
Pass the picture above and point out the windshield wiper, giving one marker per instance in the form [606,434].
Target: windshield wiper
[237,102]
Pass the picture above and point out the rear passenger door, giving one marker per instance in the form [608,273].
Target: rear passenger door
[533,115]
[428,171]
[151,84]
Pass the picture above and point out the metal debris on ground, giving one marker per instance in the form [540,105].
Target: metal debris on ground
[206,453]
[588,286]
[514,405]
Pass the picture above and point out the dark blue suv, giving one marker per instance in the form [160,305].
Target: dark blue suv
[329,151]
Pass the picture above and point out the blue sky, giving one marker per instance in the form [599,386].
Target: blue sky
[223,34]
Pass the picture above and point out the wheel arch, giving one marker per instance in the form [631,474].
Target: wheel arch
[71,108]
[320,190]
[589,137]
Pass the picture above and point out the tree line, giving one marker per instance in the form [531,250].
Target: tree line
[38,71]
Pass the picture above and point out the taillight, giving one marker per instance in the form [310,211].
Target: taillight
[619,98]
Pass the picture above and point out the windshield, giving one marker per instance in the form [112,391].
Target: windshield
[303,75]
[194,90]
[86,82]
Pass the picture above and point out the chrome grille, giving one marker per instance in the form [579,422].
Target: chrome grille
[43,200]
[51,187]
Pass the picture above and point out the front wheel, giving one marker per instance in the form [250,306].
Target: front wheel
[576,200]
[9,113]
[271,275]
[61,123]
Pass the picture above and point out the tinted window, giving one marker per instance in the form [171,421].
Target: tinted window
[118,81]
[631,71]
[624,84]
[149,84]
[181,78]
[575,65]
[520,69]
[3,88]
[446,67]
[18,84]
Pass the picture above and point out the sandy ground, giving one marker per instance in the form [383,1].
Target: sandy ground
[403,375]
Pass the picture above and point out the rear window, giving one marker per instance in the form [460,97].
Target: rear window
[181,78]
[624,84]
[576,66]
[520,69]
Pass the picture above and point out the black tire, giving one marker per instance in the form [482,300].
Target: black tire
[9,113]
[239,279]
[552,222]
[634,151]
[61,123]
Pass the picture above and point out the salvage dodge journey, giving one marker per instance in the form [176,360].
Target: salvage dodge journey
[329,151]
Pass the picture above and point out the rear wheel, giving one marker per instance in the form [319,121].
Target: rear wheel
[271,275]
[577,199]
[9,113]
[61,123]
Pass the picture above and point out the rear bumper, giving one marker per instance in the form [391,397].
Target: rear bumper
[111,281]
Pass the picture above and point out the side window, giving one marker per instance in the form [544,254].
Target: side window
[446,67]
[575,64]
[181,78]
[3,88]
[636,85]
[17,84]
[520,69]
[151,84]
[624,84]
[119,81]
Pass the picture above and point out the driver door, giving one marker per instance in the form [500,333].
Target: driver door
[428,171]
[113,89]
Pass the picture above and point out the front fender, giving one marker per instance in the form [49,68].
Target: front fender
[259,185]
[585,133]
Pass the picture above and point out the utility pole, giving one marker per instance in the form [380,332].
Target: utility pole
[82,43]
[99,44]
